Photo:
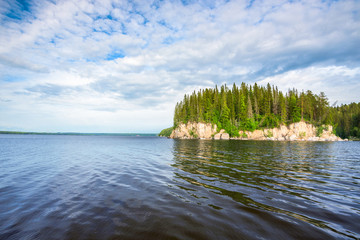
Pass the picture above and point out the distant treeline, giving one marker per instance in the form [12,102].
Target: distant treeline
[247,107]
[80,134]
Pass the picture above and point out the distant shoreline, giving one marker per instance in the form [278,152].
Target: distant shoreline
[80,134]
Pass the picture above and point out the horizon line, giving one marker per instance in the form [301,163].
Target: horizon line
[77,133]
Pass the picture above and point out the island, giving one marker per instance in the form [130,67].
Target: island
[253,112]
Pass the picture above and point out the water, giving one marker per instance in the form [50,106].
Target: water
[106,187]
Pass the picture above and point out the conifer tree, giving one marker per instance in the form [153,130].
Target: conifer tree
[283,108]
[242,108]
[250,114]
[249,107]
[294,109]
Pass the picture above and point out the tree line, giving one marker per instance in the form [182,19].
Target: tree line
[248,107]
[347,120]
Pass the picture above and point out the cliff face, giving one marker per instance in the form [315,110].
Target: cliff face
[194,130]
[300,131]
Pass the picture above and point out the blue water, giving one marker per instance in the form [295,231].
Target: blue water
[116,187]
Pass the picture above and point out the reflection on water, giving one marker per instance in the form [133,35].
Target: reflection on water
[104,187]
[303,182]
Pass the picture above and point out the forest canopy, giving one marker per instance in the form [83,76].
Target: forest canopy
[248,107]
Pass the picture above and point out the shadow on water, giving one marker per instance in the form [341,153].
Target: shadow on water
[296,181]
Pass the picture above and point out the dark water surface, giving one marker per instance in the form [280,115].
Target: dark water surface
[105,187]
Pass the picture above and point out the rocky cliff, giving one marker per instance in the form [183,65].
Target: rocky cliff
[300,131]
[194,130]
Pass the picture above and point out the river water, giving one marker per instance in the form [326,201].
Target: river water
[113,187]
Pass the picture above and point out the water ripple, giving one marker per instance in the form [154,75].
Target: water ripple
[104,187]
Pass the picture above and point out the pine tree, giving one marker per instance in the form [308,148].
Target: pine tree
[275,103]
[294,110]
[283,109]
[250,114]
[242,108]
[248,107]
[256,107]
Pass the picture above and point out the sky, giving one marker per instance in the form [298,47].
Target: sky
[121,66]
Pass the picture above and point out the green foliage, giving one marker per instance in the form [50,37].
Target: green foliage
[269,134]
[166,132]
[346,119]
[302,134]
[218,126]
[320,130]
[232,130]
[193,134]
[251,125]
[269,121]
[252,107]
[295,115]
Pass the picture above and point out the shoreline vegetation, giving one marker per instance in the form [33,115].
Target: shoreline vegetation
[240,111]
[166,132]
[300,131]
[80,134]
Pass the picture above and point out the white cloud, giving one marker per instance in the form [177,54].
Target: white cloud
[340,83]
[93,65]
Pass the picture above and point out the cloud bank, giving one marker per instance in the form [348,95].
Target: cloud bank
[120,66]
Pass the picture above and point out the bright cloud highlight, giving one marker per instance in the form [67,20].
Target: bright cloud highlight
[121,66]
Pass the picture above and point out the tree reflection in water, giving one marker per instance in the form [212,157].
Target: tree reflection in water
[286,178]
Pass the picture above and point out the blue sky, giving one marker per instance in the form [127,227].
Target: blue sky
[121,66]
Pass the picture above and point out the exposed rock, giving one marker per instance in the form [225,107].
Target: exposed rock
[255,135]
[217,136]
[292,137]
[300,131]
[194,130]
[225,136]
[313,139]
[222,135]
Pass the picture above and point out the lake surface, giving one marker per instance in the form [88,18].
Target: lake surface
[111,187]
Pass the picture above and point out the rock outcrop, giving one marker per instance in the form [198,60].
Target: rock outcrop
[300,131]
[222,135]
[193,130]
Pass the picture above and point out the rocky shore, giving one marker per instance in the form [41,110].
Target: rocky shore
[300,131]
